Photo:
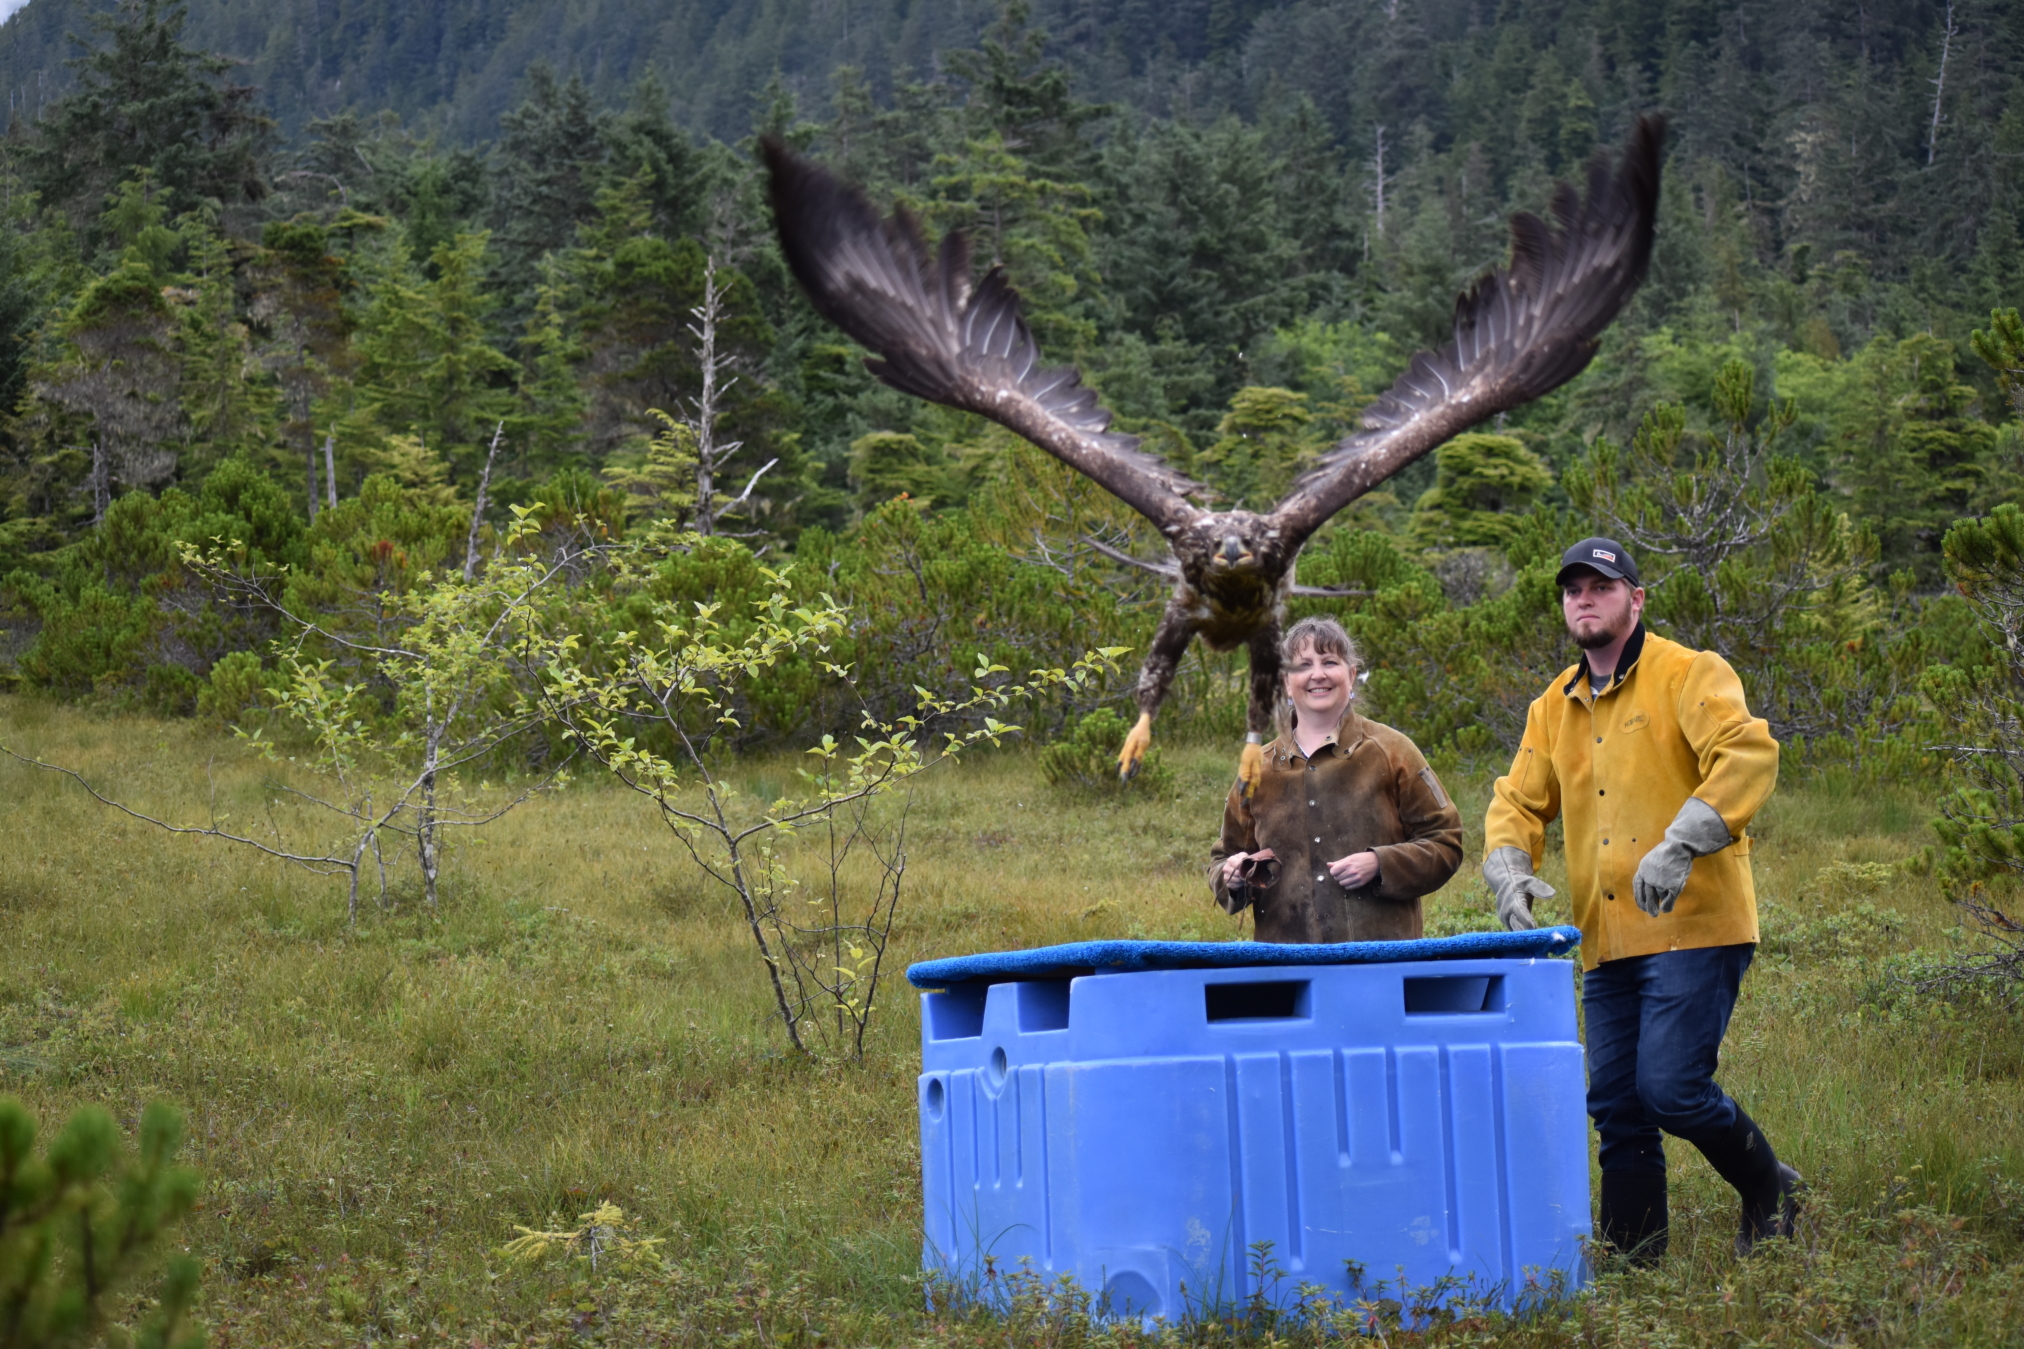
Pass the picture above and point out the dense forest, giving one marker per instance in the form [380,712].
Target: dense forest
[323,280]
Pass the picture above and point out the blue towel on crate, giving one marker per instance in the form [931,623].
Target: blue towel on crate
[1084,957]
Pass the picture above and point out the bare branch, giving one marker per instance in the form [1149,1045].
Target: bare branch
[322,865]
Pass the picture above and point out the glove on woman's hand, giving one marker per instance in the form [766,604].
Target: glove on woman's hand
[1508,871]
[1695,832]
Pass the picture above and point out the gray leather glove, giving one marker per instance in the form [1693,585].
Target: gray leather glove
[1695,832]
[1508,872]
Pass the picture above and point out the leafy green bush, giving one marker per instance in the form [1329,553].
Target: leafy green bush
[1084,759]
[80,1221]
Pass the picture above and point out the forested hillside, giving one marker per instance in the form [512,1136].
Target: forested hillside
[304,298]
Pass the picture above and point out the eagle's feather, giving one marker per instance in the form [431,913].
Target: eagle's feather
[937,338]
[1520,332]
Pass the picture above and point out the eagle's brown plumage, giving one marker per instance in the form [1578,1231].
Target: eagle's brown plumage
[1520,332]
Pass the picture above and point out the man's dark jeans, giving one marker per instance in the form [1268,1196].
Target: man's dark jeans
[1655,1026]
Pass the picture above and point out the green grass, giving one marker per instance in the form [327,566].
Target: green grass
[375,1109]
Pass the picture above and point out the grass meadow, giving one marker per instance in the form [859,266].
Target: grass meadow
[375,1108]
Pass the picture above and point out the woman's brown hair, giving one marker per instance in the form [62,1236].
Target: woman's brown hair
[1327,637]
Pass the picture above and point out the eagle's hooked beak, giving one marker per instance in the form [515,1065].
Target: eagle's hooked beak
[1233,552]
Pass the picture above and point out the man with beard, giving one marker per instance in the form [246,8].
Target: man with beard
[1647,753]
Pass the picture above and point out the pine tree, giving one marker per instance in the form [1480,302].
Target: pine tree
[547,424]
[1037,228]
[1263,441]
[886,465]
[638,296]
[663,486]
[1024,99]
[79,1221]
[116,364]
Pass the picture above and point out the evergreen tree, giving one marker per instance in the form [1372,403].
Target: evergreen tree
[303,283]
[1037,228]
[1191,252]
[146,101]
[117,368]
[547,425]
[1483,487]
[1023,99]
[229,410]
[81,1219]
[1263,441]
[637,296]
[1915,456]
[546,169]
[427,368]
[643,138]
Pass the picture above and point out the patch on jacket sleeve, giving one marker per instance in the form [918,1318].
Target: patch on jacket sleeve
[1434,786]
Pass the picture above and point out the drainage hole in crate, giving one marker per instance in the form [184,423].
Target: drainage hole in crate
[1130,1293]
[997,1069]
[1279,1000]
[937,1098]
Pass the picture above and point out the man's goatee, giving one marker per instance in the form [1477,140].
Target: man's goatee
[1591,640]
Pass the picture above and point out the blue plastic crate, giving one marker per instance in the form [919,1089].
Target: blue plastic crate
[1143,1130]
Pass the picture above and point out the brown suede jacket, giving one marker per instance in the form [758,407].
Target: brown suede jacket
[1367,788]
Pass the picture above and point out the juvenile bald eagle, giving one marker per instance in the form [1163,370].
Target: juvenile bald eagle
[1520,332]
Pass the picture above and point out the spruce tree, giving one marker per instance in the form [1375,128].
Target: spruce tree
[303,281]
[144,100]
[427,367]
[546,169]
[1915,456]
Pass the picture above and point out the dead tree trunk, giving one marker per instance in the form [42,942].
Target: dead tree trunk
[101,484]
[1939,83]
[478,506]
[712,366]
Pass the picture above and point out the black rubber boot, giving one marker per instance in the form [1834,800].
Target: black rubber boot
[1770,1189]
[1633,1219]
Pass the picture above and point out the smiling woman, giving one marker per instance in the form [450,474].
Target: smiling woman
[1348,827]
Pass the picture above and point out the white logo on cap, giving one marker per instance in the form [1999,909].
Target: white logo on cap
[1606,557]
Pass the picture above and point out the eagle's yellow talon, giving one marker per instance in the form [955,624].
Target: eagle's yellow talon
[1135,746]
[1251,768]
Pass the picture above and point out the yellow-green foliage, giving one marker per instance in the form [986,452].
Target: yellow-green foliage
[376,1111]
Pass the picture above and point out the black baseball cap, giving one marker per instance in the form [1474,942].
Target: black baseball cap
[1605,557]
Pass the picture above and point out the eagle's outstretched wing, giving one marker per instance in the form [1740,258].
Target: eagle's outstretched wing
[936,337]
[1519,333]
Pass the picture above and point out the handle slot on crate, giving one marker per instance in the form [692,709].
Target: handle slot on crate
[957,1013]
[1277,1000]
[1449,994]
